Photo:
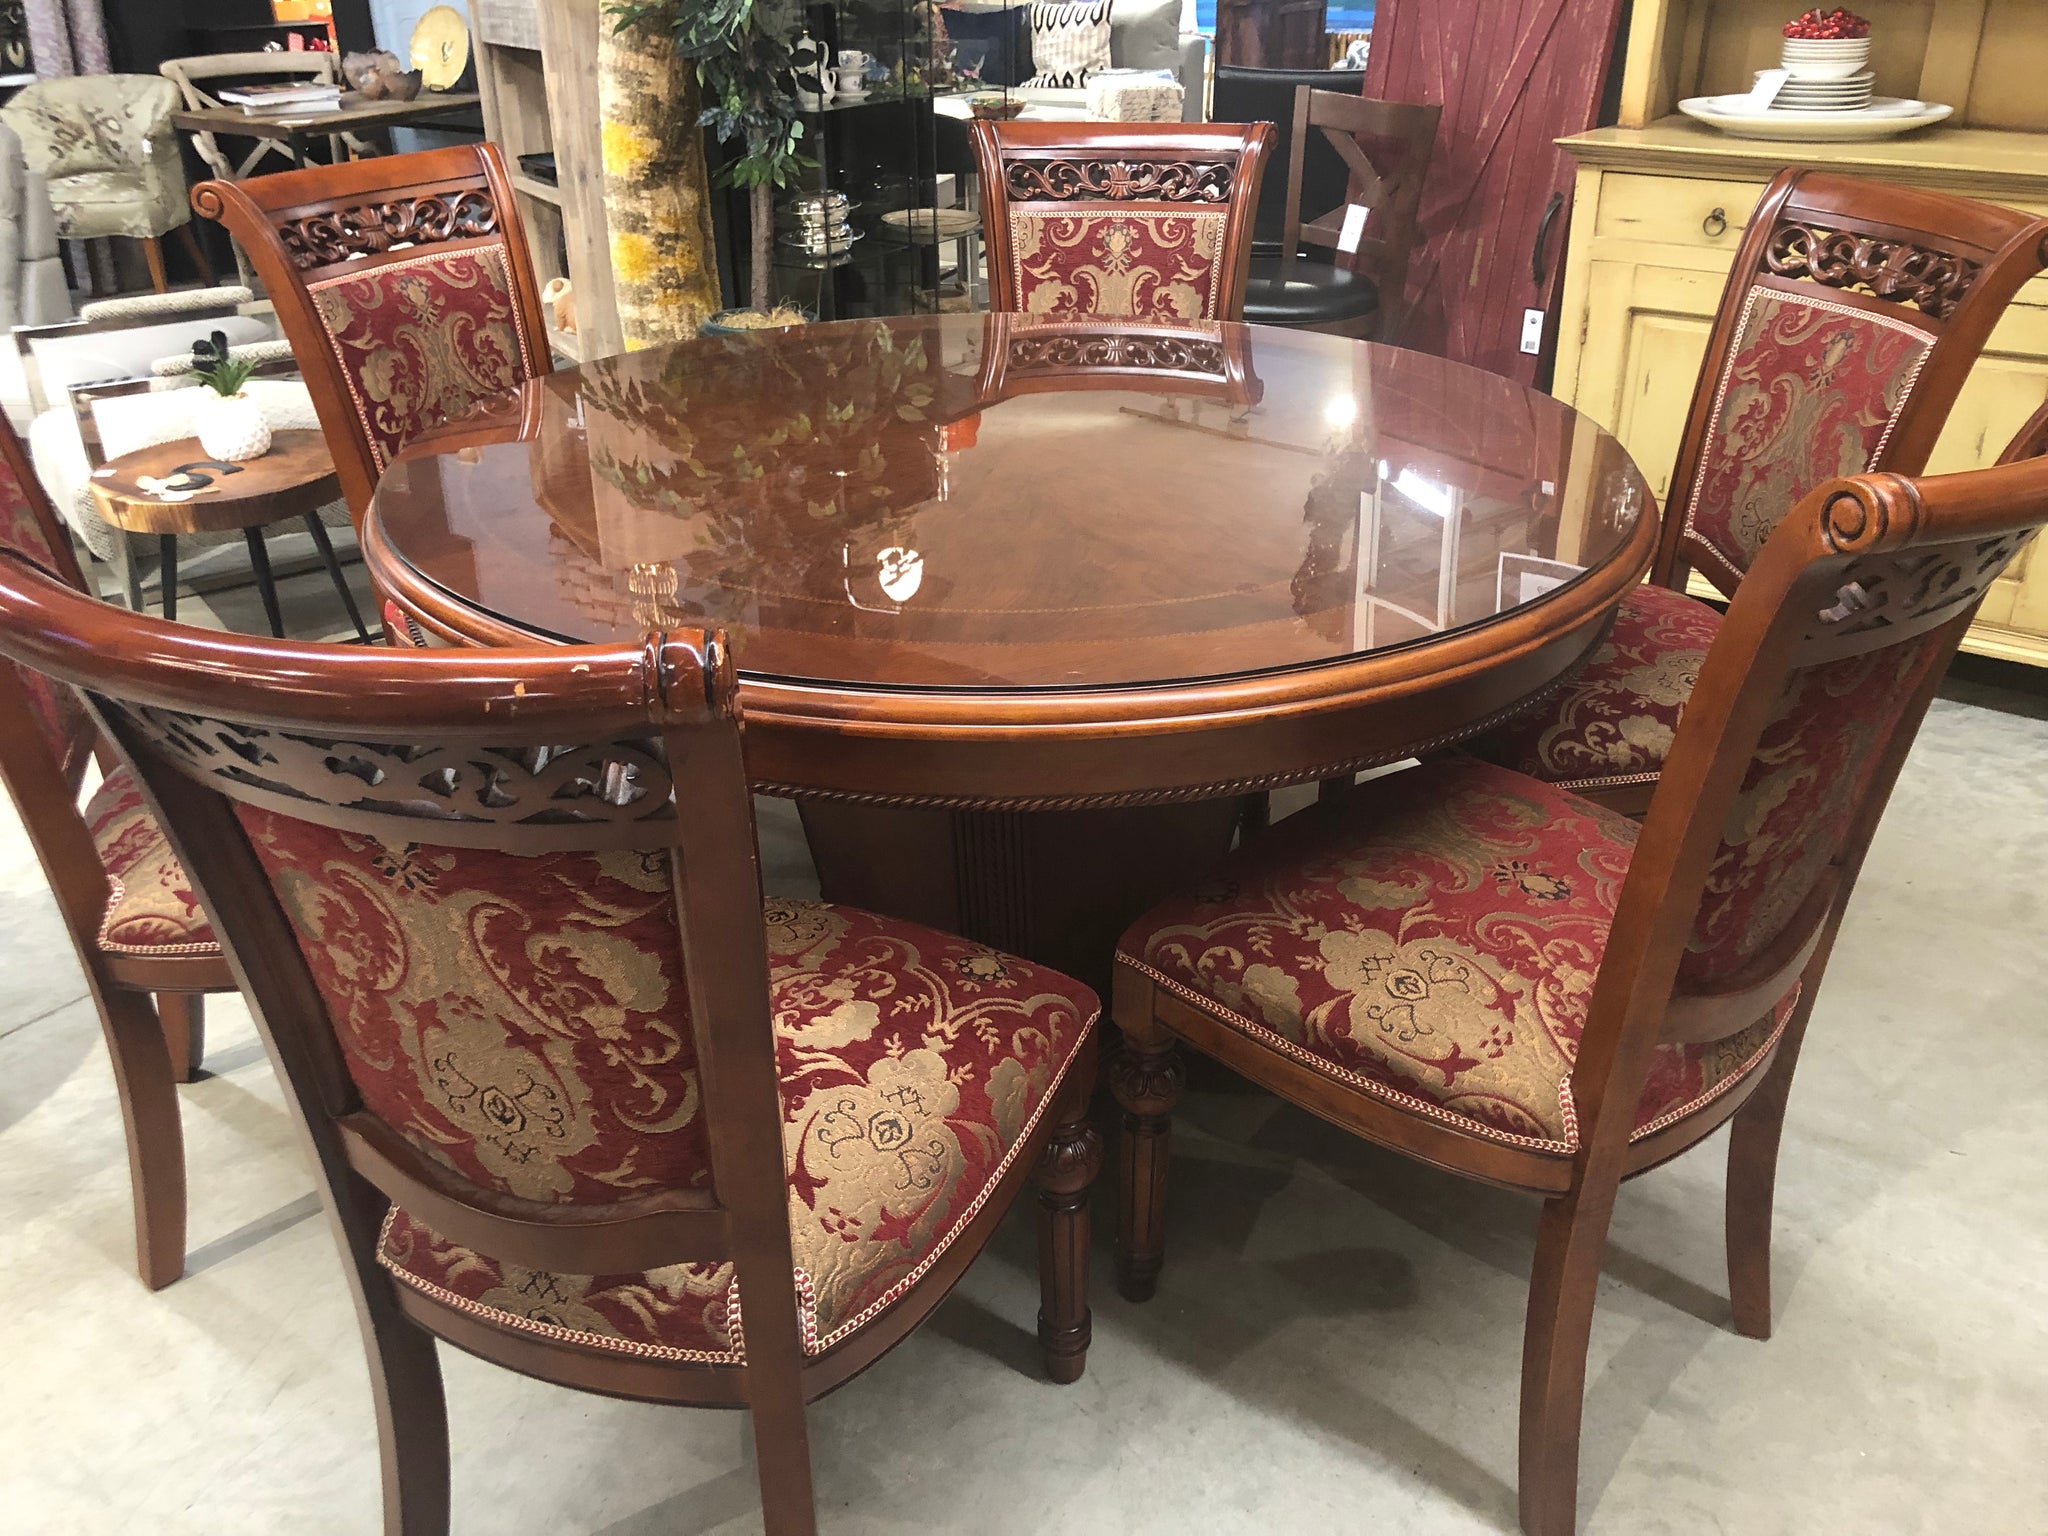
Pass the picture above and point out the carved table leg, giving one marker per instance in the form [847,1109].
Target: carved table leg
[1147,1078]
[1066,1170]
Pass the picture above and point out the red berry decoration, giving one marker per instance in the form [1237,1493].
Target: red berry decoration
[1817,25]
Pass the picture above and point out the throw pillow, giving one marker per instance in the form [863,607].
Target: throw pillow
[1145,34]
[1067,41]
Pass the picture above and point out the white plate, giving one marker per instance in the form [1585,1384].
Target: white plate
[1884,118]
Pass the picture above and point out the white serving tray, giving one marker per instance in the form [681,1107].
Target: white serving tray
[1885,117]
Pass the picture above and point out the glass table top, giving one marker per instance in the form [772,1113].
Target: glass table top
[1000,502]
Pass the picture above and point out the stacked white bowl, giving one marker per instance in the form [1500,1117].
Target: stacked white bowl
[1828,75]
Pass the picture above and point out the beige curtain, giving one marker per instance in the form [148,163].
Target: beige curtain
[67,37]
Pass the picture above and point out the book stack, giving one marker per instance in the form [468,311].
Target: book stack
[296,96]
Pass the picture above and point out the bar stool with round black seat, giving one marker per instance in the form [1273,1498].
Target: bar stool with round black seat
[1358,288]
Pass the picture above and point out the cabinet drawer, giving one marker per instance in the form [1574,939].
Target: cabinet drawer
[1676,210]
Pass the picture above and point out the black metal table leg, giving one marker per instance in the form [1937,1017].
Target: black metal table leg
[259,560]
[319,531]
[167,559]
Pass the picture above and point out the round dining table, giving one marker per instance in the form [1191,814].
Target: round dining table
[1026,608]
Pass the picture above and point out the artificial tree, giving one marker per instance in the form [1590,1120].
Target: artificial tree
[741,52]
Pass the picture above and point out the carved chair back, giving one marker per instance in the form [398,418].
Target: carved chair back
[1386,146]
[404,285]
[1141,220]
[499,919]
[1805,707]
[1852,314]
[1029,354]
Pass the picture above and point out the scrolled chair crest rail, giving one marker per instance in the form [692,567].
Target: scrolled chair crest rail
[1933,280]
[1066,179]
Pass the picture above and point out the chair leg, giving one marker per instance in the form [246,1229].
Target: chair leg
[129,574]
[144,1081]
[189,238]
[259,562]
[1562,1287]
[153,253]
[1147,1078]
[1066,1172]
[412,1422]
[326,545]
[183,1017]
[1752,1185]
[782,1456]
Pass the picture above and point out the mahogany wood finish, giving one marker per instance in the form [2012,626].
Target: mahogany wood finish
[1387,147]
[297,227]
[1142,167]
[333,735]
[1143,591]
[1860,565]
[152,1050]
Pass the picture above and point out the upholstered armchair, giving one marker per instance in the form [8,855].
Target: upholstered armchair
[32,289]
[1853,313]
[107,153]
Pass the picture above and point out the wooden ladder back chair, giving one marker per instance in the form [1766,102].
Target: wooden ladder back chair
[1852,317]
[1387,147]
[127,906]
[1853,314]
[1495,976]
[404,285]
[1131,220]
[578,1102]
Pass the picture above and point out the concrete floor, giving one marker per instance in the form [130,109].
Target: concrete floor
[1334,1346]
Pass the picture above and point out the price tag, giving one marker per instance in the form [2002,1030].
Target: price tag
[1353,232]
[1768,83]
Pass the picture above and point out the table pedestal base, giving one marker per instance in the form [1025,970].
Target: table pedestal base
[1057,887]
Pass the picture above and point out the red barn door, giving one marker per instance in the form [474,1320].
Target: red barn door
[1512,76]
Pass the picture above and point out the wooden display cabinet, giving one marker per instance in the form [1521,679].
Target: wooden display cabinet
[1661,202]
[536,66]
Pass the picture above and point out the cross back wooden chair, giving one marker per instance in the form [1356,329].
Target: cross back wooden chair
[1142,220]
[1853,314]
[577,1101]
[1386,146]
[404,285]
[199,76]
[1497,977]
[124,900]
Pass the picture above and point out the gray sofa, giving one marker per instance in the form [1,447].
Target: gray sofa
[1143,34]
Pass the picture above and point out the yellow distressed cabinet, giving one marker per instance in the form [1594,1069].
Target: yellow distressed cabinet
[1661,202]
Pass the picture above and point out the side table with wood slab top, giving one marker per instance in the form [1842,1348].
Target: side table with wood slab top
[295,479]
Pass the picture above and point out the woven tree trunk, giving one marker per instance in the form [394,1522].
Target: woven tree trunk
[657,190]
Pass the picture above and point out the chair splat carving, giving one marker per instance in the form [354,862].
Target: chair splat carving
[370,229]
[1935,281]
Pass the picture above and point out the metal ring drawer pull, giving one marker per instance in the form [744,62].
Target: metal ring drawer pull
[1715,224]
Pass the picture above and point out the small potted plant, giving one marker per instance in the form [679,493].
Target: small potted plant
[229,425]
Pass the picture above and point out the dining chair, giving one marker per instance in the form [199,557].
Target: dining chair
[195,74]
[1251,94]
[1851,319]
[109,159]
[1360,289]
[404,285]
[578,1100]
[1145,220]
[1495,976]
[123,898]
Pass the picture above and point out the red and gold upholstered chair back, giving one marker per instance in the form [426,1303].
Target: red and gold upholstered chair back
[1136,220]
[1852,315]
[404,285]
[481,939]
[1805,707]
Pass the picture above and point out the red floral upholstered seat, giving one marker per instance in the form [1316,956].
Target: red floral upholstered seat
[1613,723]
[523,1018]
[1147,221]
[1432,944]
[151,908]
[1821,365]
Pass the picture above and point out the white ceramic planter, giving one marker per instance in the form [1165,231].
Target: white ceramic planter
[230,428]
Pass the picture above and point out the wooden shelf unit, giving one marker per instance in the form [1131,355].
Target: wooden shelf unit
[1661,202]
[536,64]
